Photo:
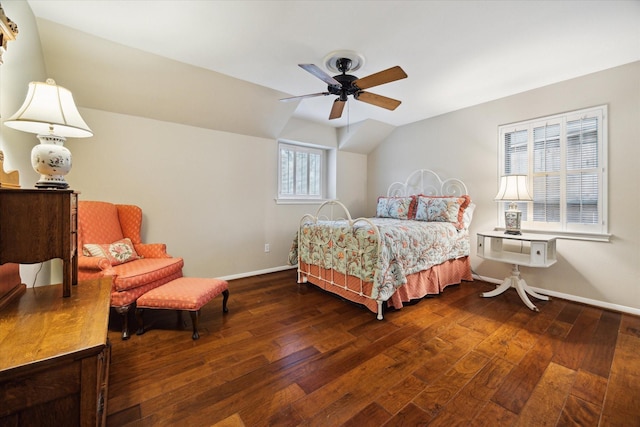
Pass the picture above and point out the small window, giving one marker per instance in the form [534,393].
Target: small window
[301,172]
[564,157]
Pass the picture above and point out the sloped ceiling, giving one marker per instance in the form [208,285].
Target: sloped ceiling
[363,137]
[228,62]
[108,76]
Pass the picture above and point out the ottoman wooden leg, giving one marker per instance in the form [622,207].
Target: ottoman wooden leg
[179,324]
[195,317]
[140,330]
[225,298]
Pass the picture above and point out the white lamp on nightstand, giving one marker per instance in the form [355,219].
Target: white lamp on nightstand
[513,189]
[50,112]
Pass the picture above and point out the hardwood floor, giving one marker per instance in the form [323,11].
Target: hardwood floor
[288,355]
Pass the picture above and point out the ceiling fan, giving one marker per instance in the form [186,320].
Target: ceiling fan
[345,84]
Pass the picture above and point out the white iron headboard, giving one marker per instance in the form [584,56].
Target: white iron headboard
[427,182]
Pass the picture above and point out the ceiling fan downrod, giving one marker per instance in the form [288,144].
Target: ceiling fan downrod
[343,65]
[346,87]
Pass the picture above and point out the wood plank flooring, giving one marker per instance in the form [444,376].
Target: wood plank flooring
[289,355]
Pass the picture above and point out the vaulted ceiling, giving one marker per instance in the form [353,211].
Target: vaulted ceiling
[203,62]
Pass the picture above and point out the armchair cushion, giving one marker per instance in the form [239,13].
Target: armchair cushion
[144,270]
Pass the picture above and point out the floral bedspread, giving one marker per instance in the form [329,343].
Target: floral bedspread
[407,247]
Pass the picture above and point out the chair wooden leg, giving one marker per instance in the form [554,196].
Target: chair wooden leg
[195,317]
[225,298]
[124,312]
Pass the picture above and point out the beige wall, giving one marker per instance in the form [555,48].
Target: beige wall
[209,195]
[464,144]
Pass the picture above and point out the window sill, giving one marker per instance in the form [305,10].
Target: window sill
[300,201]
[569,235]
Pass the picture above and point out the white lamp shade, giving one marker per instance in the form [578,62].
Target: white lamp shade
[49,109]
[513,188]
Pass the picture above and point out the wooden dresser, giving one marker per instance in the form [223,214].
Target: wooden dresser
[54,356]
[39,225]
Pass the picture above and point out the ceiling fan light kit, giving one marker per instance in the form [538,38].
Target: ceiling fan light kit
[344,84]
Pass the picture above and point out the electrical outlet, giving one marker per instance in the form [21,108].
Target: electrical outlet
[266,247]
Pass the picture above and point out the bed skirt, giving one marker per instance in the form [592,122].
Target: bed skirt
[427,282]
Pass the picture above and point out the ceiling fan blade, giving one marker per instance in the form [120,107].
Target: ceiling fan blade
[317,71]
[378,100]
[311,95]
[336,109]
[389,75]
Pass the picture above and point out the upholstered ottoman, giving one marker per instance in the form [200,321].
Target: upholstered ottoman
[184,293]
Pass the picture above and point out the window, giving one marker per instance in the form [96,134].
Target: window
[564,157]
[301,172]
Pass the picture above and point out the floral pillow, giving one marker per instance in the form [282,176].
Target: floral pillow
[117,252]
[442,209]
[395,207]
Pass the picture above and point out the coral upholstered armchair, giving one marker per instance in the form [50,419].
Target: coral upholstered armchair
[109,245]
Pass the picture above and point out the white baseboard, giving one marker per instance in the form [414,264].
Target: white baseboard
[258,272]
[569,297]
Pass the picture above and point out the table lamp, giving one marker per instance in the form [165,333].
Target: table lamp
[513,189]
[49,112]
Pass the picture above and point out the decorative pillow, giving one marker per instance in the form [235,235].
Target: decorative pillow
[468,215]
[442,209]
[117,252]
[395,207]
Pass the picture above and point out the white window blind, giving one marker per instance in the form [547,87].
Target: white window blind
[517,161]
[582,171]
[564,157]
[546,173]
[301,172]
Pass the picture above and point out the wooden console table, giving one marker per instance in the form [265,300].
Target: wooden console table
[54,362]
[38,225]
